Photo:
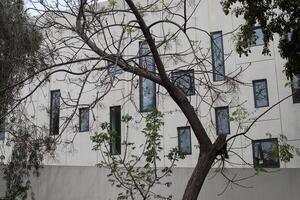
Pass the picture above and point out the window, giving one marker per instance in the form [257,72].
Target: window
[258,37]
[296,87]
[217,56]
[114,69]
[54,112]
[184,80]
[260,90]
[265,153]
[222,120]
[84,119]
[147,87]
[2,129]
[115,125]
[184,139]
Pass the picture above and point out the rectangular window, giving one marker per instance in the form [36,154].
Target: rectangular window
[184,139]
[296,87]
[84,119]
[2,129]
[222,120]
[258,39]
[260,90]
[217,56]
[147,87]
[54,112]
[114,69]
[115,125]
[184,80]
[265,153]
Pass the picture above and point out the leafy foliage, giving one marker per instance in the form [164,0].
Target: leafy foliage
[274,17]
[136,171]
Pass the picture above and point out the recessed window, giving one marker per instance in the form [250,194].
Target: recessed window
[296,87]
[260,90]
[184,140]
[222,120]
[54,112]
[84,119]
[258,37]
[265,153]
[147,87]
[217,56]
[2,129]
[114,69]
[184,80]
[115,125]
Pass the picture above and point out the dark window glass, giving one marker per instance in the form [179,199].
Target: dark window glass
[260,90]
[115,125]
[84,119]
[296,87]
[265,153]
[184,140]
[258,37]
[217,56]
[184,79]
[54,112]
[222,120]
[147,87]
[2,129]
[114,69]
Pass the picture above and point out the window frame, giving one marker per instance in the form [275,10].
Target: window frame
[81,110]
[254,92]
[255,164]
[52,133]
[118,138]
[190,138]
[192,83]
[217,123]
[213,59]
[141,82]
[295,91]
[253,43]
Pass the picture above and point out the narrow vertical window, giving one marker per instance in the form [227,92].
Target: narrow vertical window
[265,153]
[258,39]
[184,139]
[296,87]
[222,120]
[115,125]
[185,80]
[217,56]
[147,87]
[2,129]
[54,112]
[84,119]
[260,90]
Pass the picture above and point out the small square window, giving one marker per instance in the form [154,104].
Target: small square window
[114,69]
[184,80]
[84,119]
[265,153]
[222,120]
[296,87]
[258,39]
[260,90]
[184,140]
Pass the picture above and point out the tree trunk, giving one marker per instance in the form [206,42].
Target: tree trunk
[198,176]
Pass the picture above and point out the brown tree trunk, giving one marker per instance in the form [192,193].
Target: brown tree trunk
[198,176]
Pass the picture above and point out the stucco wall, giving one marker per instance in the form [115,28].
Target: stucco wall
[90,183]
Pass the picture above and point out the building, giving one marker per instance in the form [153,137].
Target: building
[220,85]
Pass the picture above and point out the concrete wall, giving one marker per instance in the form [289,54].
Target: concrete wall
[90,183]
